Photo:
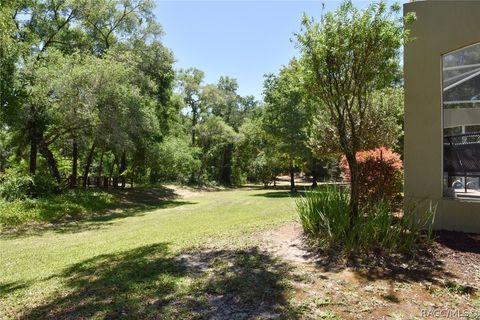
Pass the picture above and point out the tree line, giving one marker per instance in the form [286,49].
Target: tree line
[87,88]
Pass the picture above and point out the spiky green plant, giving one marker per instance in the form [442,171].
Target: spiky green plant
[325,218]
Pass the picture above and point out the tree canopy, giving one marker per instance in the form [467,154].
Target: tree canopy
[89,90]
[348,58]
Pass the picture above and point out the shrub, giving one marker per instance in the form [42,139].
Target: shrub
[174,159]
[380,173]
[261,168]
[44,185]
[18,186]
[77,203]
[325,217]
[15,186]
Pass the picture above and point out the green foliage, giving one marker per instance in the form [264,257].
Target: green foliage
[384,114]
[44,185]
[9,51]
[15,186]
[256,154]
[286,114]
[5,147]
[72,203]
[215,113]
[326,219]
[92,78]
[214,137]
[264,169]
[175,159]
[346,59]
[88,88]
[458,288]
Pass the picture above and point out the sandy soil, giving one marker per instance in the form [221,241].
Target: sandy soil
[426,289]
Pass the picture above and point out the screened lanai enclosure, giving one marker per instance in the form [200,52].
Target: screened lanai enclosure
[461,122]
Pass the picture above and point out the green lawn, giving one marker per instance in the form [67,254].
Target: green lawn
[147,257]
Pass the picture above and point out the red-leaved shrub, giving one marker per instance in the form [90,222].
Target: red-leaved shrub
[381,173]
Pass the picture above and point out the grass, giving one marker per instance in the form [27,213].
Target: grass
[141,254]
[81,205]
[172,253]
[458,288]
[72,203]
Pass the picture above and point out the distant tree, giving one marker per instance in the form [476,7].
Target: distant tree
[5,148]
[174,159]
[348,57]
[286,114]
[192,89]
[157,79]
[213,136]
[223,101]
[256,154]
[31,31]
[9,51]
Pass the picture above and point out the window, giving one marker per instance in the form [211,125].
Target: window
[461,123]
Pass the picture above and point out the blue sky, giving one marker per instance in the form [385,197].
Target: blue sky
[243,39]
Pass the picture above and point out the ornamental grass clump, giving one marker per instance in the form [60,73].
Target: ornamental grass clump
[326,220]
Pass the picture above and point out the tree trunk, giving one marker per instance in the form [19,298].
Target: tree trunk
[35,137]
[153,177]
[226,175]
[112,168]
[100,169]
[123,163]
[292,177]
[193,136]
[88,165]
[314,176]
[123,167]
[33,155]
[51,162]
[314,182]
[73,180]
[354,189]
[131,178]
[194,123]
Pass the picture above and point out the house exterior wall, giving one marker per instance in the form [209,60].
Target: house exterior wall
[440,27]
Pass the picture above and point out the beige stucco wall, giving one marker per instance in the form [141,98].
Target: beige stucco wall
[440,27]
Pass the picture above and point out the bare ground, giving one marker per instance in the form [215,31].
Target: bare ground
[446,279]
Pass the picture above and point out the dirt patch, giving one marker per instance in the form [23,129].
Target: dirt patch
[460,253]
[287,243]
[448,278]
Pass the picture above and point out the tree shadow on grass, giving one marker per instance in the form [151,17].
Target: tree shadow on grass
[82,210]
[152,283]
[11,287]
[284,191]
[241,284]
[280,194]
